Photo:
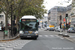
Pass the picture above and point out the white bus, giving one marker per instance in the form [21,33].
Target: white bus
[28,27]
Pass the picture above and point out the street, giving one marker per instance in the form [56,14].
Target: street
[47,40]
[37,25]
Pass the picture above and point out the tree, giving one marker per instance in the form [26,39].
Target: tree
[21,8]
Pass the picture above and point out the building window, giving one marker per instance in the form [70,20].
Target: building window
[1,16]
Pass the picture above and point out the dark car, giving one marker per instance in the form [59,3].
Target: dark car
[71,30]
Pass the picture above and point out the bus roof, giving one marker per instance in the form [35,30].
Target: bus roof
[28,17]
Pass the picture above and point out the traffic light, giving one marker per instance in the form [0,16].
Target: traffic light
[66,15]
[66,20]
[60,17]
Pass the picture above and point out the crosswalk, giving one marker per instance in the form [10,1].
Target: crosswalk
[16,44]
[53,36]
[50,36]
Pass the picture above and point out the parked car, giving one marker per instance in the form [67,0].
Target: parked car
[71,30]
[47,28]
[57,28]
[51,29]
[1,27]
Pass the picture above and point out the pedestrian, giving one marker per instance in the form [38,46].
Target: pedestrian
[14,30]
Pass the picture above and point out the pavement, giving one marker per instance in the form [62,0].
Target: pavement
[47,40]
[6,38]
[70,38]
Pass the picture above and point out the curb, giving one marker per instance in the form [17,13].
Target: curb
[70,39]
[10,39]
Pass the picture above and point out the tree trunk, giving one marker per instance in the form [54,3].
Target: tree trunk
[6,21]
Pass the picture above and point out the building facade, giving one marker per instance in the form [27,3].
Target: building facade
[61,11]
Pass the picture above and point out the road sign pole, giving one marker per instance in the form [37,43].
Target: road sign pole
[60,25]
[66,34]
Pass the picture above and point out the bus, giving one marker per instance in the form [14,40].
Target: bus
[28,27]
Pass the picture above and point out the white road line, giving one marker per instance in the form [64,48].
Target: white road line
[8,48]
[40,35]
[61,38]
[57,36]
[51,35]
[18,44]
[46,35]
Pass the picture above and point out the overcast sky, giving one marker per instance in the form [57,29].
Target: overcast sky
[51,3]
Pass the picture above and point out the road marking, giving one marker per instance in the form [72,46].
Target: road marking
[16,44]
[61,38]
[8,48]
[40,35]
[51,35]
[57,36]
[46,35]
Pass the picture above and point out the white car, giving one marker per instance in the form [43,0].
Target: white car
[58,29]
[0,27]
[47,28]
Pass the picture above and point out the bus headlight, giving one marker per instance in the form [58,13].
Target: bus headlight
[21,32]
[36,32]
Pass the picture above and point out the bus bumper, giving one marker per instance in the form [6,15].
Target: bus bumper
[28,36]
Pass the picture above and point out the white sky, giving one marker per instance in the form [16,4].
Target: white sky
[51,3]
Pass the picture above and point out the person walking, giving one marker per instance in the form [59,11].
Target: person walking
[64,27]
[14,30]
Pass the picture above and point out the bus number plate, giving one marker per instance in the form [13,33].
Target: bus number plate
[28,36]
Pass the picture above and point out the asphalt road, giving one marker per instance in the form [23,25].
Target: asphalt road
[47,40]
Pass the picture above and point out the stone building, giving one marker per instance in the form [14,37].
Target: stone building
[2,19]
[61,11]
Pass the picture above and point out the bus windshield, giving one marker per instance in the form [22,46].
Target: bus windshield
[29,25]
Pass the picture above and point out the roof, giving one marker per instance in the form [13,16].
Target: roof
[61,9]
[28,17]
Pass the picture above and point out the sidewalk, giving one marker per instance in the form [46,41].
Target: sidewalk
[71,36]
[6,37]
